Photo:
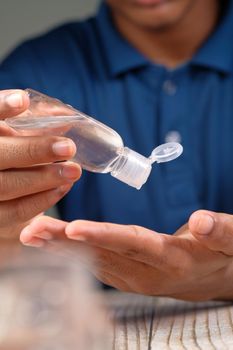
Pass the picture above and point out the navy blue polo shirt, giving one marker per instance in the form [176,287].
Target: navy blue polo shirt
[90,66]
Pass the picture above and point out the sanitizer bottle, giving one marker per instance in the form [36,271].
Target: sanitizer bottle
[100,149]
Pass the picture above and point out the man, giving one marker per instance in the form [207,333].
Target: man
[154,70]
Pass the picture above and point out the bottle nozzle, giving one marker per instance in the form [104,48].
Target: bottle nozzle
[134,169]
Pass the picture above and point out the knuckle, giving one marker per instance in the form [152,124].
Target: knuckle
[44,178]
[41,152]
[136,230]
[9,151]
[33,150]
[140,247]
[134,251]
[4,186]
[10,184]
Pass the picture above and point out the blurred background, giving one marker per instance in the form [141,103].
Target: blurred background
[21,19]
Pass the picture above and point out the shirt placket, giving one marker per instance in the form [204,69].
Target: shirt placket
[175,126]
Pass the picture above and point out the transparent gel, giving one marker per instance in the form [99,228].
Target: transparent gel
[100,149]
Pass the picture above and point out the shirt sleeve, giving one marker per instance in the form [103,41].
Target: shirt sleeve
[18,70]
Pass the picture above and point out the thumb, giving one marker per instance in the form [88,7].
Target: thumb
[13,102]
[214,230]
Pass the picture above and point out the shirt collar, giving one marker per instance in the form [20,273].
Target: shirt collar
[120,55]
[216,53]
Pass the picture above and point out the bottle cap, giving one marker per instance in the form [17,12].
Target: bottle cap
[132,168]
[166,152]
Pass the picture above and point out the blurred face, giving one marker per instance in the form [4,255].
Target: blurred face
[153,14]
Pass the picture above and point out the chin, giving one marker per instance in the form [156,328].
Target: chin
[154,14]
[154,19]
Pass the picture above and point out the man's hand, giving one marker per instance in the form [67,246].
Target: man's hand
[194,264]
[30,182]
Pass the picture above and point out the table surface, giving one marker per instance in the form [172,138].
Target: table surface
[143,323]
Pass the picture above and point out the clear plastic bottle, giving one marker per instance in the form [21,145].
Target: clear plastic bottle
[99,148]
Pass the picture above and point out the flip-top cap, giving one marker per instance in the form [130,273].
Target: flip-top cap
[132,168]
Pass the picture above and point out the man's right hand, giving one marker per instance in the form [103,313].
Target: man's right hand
[30,180]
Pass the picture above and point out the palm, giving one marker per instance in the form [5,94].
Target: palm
[139,260]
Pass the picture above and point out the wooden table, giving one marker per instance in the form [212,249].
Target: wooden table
[143,323]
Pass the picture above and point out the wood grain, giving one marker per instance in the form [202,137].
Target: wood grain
[142,323]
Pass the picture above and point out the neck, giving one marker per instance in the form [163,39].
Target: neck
[175,44]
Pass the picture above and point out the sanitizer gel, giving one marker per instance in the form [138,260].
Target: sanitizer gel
[99,148]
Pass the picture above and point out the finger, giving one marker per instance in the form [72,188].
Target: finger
[50,229]
[49,233]
[107,266]
[22,182]
[214,230]
[18,152]
[44,228]
[22,209]
[132,242]
[13,102]
[163,252]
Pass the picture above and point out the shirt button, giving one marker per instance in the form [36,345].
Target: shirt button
[173,136]
[169,87]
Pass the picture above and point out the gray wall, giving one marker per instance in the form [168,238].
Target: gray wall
[20,19]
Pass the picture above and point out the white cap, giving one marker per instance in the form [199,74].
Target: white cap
[132,168]
[166,152]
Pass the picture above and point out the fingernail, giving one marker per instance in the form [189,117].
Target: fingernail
[46,235]
[37,244]
[78,238]
[70,172]
[14,100]
[204,223]
[63,148]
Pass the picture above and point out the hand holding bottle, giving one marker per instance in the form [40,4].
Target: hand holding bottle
[30,182]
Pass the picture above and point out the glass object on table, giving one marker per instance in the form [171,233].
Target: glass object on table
[48,303]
